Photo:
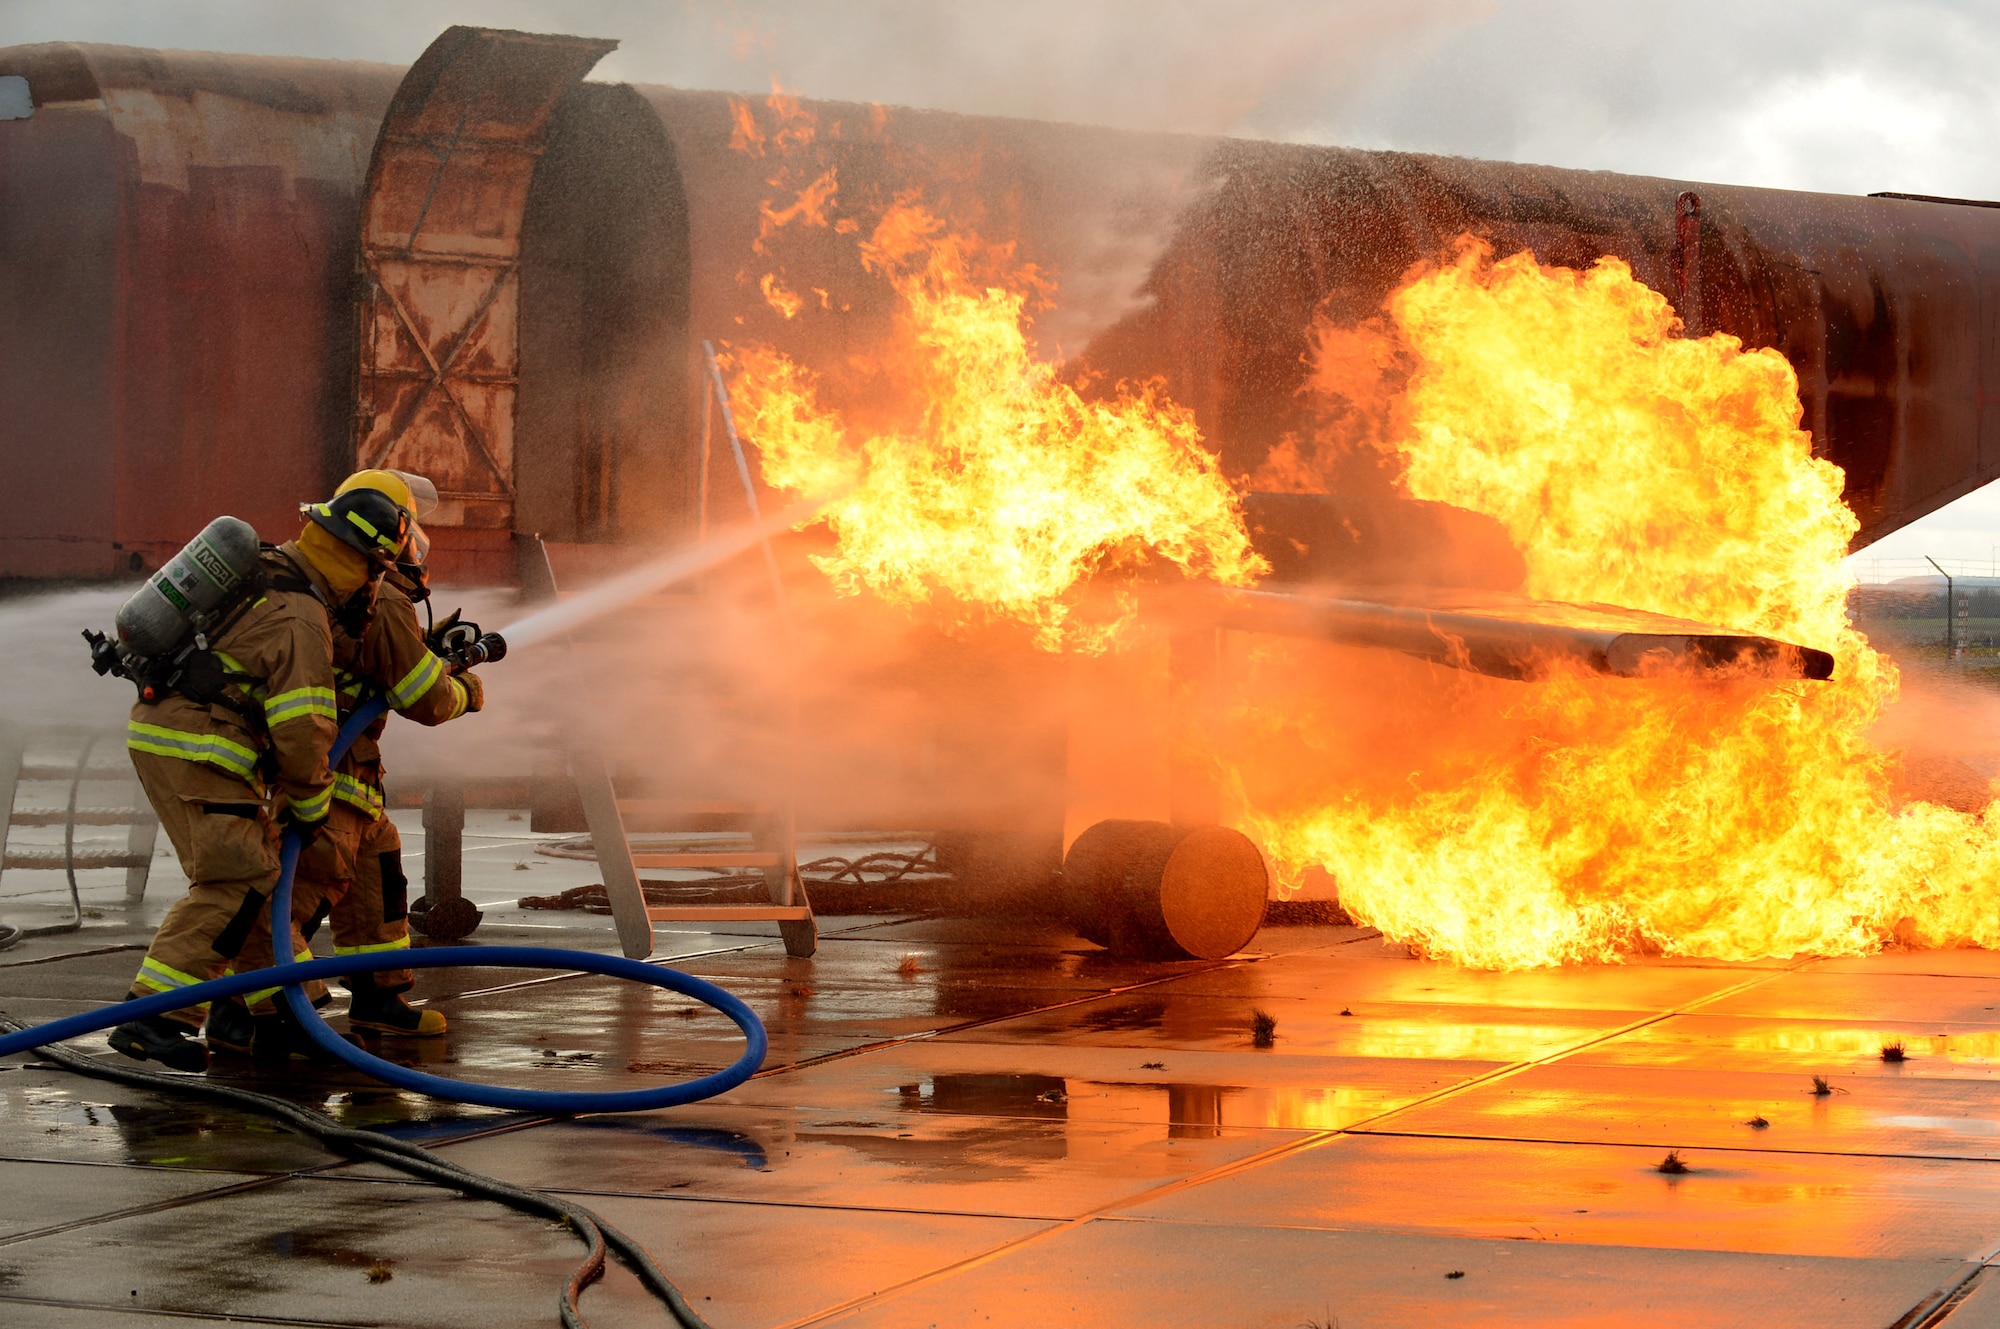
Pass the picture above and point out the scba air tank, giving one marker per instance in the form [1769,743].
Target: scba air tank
[185,596]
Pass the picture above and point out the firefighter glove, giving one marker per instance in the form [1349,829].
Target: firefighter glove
[475,691]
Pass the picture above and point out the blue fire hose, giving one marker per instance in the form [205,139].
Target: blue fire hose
[402,1077]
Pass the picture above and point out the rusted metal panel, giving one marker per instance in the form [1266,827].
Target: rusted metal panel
[439,260]
[1880,304]
[177,243]
[180,230]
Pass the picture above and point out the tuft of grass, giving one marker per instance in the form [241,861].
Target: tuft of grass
[521,866]
[379,1271]
[1756,1123]
[1345,1011]
[1263,1027]
[910,965]
[1893,1052]
[1456,1273]
[1331,1321]
[1152,1065]
[1821,1089]
[1671,1164]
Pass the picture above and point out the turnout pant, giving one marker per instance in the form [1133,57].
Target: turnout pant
[350,876]
[227,844]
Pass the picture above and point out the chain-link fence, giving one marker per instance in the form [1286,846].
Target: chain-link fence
[1942,610]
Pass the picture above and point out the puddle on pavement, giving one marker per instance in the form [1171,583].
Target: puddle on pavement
[1184,1110]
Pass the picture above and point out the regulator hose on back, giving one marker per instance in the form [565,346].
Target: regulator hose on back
[402,1077]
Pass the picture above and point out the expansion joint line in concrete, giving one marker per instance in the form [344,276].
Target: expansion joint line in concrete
[904,1040]
[158,1313]
[1936,1309]
[75,955]
[141,1210]
[1265,1157]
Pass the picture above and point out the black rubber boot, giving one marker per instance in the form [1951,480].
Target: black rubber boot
[156,1038]
[278,1038]
[229,1027]
[389,1013]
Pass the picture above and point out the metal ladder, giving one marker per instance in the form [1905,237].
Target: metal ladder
[135,814]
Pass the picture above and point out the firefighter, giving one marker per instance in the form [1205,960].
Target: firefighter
[237,750]
[352,873]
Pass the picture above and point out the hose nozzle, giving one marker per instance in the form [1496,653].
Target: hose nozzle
[484,649]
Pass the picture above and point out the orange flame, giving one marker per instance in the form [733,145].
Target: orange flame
[785,301]
[1589,819]
[1002,487]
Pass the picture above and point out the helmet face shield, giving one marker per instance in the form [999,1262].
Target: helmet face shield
[423,494]
[416,545]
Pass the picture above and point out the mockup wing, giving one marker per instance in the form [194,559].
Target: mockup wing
[1510,636]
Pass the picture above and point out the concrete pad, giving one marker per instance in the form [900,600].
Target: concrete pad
[1962,963]
[1671,1109]
[1981,1307]
[1913,1000]
[1164,1017]
[54,1315]
[1347,974]
[41,1196]
[1831,1047]
[56,1117]
[1185,1088]
[1051,1168]
[304,1248]
[1767,1203]
[744,1265]
[1119,1273]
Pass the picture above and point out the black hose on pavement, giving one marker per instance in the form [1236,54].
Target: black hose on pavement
[596,1234]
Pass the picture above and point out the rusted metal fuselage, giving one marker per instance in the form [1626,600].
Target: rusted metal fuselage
[191,241]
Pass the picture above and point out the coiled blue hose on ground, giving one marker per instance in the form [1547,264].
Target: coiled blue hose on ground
[402,1077]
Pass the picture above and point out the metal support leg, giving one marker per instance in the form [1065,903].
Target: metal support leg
[777,835]
[140,842]
[614,852]
[444,842]
[13,742]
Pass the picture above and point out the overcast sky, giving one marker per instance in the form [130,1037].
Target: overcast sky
[1838,95]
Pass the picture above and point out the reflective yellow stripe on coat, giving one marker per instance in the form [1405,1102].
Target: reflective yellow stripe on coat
[358,794]
[299,703]
[214,749]
[314,808]
[417,682]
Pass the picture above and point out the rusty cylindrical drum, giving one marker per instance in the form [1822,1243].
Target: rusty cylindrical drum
[1146,888]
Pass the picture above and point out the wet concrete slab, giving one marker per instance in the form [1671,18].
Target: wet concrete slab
[51,1116]
[56,1315]
[1369,970]
[1981,1307]
[1835,1048]
[964,1118]
[1727,1200]
[1110,1273]
[816,1260]
[1904,999]
[1188,1088]
[959,1163]
[1168,1017]
[42,1196]
[329,1251]
[1717,1109]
